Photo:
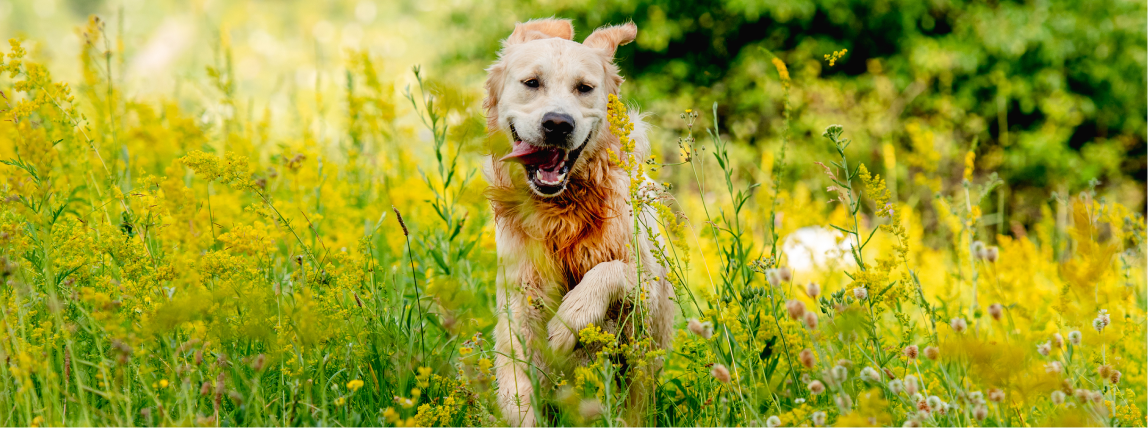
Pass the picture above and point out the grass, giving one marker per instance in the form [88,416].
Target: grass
[215,265]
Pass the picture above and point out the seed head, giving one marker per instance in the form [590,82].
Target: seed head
[980,412]
[870,374]
[934,402]
[401,222]
[996,311]
[839,373]
[1057,397]
[992,254]
[819,418]
[996,395]
[911,351]
[807,358]
[1044,348]
[931,352]
[816,387]
[978,250]
[795,308]
[1114,377]
[861,293]
[843,402]
[785,273]
[810,320]
[1104,371]
[812,290]
[911,384]
[959,325]
[721,373]
[896,386]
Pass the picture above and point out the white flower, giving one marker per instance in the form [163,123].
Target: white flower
[1074,338]
[1044,348]
[1101,320]
[773,421]
[861,293]
[896,386]
[870,374]
[819,418]
[959,324]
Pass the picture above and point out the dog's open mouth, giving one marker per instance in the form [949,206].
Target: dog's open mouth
[547,168]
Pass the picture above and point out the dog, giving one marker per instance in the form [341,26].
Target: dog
[564,229]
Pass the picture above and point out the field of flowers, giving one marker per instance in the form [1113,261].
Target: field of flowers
[293,241]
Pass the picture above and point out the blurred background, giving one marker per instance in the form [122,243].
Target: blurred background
[1050,95]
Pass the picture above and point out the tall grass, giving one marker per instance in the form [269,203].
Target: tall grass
[174,265]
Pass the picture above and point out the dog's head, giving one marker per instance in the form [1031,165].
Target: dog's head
[549,93]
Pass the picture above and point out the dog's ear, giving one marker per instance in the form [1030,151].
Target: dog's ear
[541,29]
[609,38]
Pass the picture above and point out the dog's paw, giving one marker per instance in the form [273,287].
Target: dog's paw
[578,310]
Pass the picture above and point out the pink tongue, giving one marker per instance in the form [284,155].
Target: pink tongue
[544,158]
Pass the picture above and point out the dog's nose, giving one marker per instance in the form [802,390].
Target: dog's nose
[557,125]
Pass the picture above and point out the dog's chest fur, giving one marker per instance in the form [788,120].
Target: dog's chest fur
[566,236]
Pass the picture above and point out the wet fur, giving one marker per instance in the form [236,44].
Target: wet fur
[564,261]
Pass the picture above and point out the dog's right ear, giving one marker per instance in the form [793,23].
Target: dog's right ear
[541,29]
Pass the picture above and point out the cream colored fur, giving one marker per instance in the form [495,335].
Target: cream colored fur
[565,260]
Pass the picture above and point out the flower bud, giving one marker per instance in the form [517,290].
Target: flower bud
[721,373]
[795,308]
[1114,377]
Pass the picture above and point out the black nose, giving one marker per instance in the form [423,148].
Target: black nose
[557,125]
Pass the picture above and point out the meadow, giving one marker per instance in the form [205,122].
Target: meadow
[282,222]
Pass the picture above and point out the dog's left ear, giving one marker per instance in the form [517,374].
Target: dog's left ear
[609,38]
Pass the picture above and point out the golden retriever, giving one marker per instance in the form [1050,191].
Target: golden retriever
[565,229]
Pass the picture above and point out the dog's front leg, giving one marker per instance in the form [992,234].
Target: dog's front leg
[588,302]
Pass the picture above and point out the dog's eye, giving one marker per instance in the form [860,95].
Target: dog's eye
[531,83]
[585,89]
